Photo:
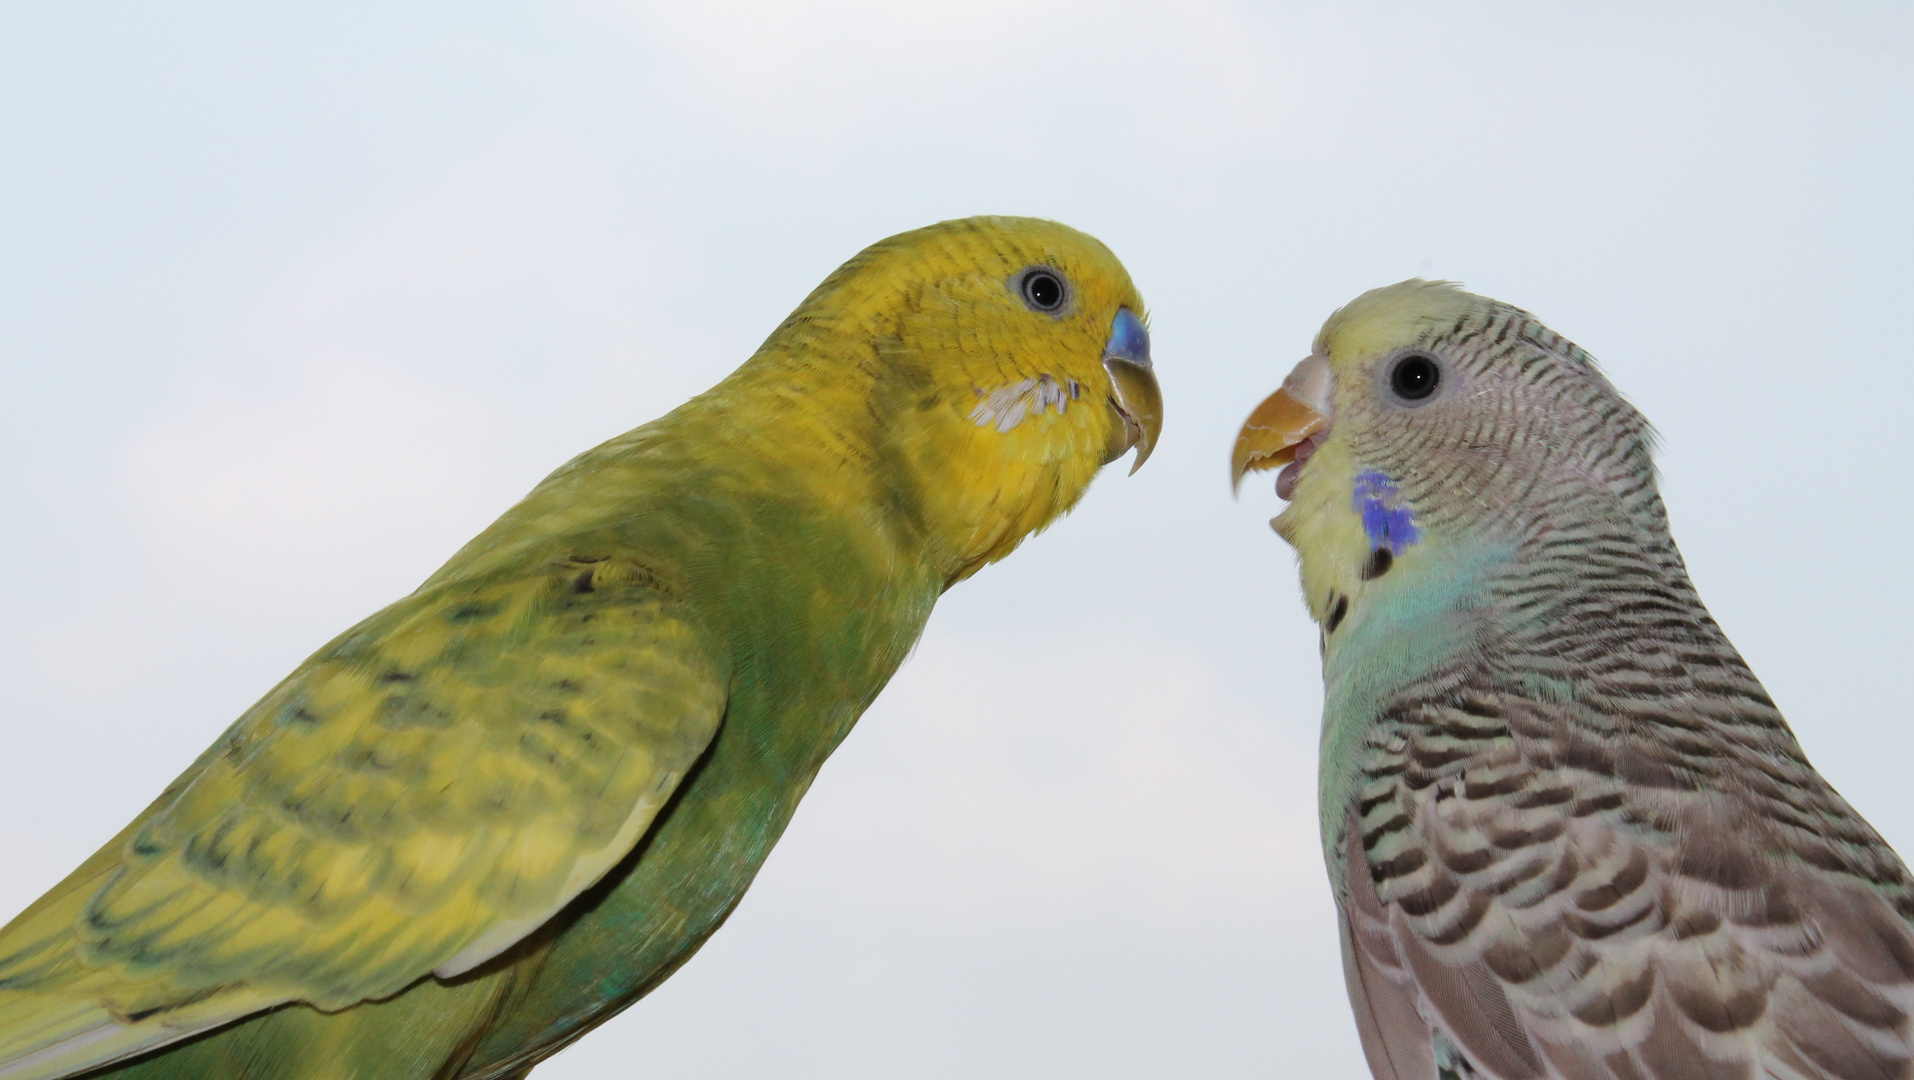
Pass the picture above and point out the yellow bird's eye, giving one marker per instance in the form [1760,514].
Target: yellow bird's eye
[1043,289]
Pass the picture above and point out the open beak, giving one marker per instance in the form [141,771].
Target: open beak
[1284,421]
[1134,394]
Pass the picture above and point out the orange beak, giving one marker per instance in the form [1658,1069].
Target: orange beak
[1285,419]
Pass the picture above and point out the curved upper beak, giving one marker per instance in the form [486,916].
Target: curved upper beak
[1133,390]
[1285,418]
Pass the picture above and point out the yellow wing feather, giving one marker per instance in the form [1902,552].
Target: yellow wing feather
[420,795]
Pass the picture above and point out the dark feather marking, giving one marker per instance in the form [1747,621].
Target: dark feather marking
[1494,789]
[1620,1003]
[1469,862]
[1511,839]
[1473,911]
[1374,836]
[1429,900]
[1406,863]
[1433,758]
[1698,923]
[1378,564]
[1618,888]
[1366,805]
[1546,797]
[1540,951]
[1529,871]
[1590,930]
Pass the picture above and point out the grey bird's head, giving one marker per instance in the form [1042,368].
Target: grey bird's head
[1426,417]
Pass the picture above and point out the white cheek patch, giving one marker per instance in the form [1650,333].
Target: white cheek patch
[1005,407]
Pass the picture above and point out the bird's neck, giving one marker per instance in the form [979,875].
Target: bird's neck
[1540,615]
[895,444]
[1483,594]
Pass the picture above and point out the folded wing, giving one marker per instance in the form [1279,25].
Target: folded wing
[1559,892]
[420,795]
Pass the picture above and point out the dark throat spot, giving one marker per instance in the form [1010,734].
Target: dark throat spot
[1336,614]
[1377,564]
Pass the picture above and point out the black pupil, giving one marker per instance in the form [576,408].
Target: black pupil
[1043,290]
[1416,378]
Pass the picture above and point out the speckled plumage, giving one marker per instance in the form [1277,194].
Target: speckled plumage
[494,814]
[1569,834]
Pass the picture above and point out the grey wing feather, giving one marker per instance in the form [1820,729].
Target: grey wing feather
[1395,1038]
[1559,899]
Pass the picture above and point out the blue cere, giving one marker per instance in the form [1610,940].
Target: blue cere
[1128,340]
[1390,525]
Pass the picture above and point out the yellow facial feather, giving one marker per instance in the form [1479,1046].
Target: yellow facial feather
[961,339]
[1321,522]
[1382,318]
[1326,533]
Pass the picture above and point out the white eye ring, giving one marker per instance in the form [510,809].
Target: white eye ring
[1043,289]
[1414,379]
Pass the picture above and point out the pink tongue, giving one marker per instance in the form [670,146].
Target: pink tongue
[1286,479]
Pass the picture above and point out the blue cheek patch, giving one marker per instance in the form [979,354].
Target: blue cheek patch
[1390,525]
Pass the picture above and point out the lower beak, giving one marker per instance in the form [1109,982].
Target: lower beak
[1283,421]
[1139,402]
[1134,395]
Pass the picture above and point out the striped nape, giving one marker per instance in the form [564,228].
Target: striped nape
[1543,433]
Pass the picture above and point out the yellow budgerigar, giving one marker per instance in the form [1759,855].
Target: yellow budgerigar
[495,813]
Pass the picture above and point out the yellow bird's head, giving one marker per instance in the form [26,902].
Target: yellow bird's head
[974,374]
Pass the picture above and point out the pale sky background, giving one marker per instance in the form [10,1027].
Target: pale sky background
[295,300]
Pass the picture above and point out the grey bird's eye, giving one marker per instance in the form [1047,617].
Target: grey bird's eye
[1043,289]
[1415,377]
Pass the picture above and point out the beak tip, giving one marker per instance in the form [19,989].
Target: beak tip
[1145,446]
[1270,436]
[1138,401]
